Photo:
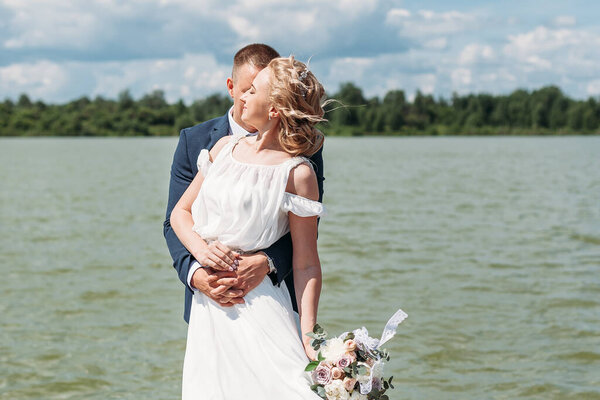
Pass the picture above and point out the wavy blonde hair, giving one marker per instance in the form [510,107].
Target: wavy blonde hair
[298,97]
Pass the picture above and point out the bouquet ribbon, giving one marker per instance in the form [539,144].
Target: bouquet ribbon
[388,332]
[390,328]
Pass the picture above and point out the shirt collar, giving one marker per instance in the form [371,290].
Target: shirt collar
[234,128]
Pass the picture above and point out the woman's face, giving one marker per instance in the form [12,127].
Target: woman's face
[256,107]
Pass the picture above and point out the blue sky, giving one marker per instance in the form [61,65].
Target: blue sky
[60,50]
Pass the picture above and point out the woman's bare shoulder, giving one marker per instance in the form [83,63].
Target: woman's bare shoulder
[218,146]
[303,181]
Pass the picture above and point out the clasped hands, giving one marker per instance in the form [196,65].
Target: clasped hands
[227,276]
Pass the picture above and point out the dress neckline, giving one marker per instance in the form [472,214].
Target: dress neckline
[235,160]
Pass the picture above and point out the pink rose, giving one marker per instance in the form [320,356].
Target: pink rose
[349,384]
[345,361]
[350,345]
[322,375]
[352,355]
[337,373]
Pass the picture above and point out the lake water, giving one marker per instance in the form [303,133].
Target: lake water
[491,245]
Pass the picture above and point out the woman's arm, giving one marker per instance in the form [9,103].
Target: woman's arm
[215,255]
[306,264]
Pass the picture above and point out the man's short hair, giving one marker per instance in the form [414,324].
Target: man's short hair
[257,54]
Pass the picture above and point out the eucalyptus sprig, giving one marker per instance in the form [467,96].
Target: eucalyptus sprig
[318,335]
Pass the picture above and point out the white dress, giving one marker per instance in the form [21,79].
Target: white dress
[249,351]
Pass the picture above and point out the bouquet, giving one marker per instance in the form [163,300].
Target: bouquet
[350,366]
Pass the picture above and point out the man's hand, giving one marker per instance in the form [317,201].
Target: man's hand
[251,272]
[229,287]
[217,285]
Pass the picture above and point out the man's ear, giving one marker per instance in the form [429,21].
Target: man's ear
[230,86]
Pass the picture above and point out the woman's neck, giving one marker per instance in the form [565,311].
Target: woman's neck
[267,140]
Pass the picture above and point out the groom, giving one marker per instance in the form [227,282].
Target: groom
[227,288]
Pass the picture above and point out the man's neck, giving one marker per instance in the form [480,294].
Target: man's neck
[241,123]
[234,127]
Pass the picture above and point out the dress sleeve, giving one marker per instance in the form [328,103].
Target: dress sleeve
[204,162]
[301,206]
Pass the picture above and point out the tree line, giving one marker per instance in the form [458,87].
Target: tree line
[543,111]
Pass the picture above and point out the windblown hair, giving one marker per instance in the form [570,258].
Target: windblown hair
[257,55]
[298,97]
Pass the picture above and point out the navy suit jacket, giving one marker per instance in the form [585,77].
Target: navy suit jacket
[191,142]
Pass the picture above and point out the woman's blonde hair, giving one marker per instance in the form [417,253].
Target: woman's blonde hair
[298,97]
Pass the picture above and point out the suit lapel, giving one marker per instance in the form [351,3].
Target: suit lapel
[221,129]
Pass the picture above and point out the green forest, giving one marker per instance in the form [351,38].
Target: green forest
[545,111]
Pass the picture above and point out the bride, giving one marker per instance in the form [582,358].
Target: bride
[249,192]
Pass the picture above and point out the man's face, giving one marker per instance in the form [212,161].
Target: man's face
[244,75]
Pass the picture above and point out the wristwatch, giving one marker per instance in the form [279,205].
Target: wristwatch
[272,268]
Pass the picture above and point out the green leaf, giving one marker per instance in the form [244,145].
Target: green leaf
[321,392]
[316,343]
[362,370]
[317,329]
[384,397]
[310,334]
[311,365]
[320,357]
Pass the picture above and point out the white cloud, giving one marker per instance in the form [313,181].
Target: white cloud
[59,50]
[426,82]
[538,63]
[542,40]
[475,52]
[300,24]
[426,23]
[345,69]
[567,52]
[190,77]
[565,20]
[244,28]
[396,15]
[436,44]
[39,23]
[461,79]
[40,79]
[593,88]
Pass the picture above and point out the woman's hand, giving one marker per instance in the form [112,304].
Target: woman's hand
[218,257]
[310,352]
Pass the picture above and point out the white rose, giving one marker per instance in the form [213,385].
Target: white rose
[336,391]
[333,350]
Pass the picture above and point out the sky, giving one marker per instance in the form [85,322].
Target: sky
[57,51]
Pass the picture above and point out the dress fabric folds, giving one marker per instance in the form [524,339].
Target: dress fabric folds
[252,350]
